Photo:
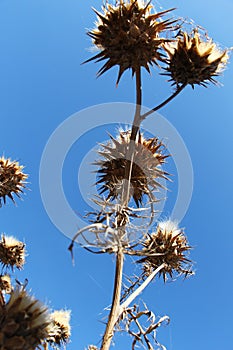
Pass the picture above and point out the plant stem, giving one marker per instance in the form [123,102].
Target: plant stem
[156,108]
[134,132]
[114,313]
[113,316]
[2,302]
[132,296]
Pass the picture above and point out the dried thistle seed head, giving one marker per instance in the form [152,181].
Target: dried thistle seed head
[12,179]
[168,246]
[128,35]
[59,328]
[146,170]
[194,60]
[12,252]
[23,322]
[5,284]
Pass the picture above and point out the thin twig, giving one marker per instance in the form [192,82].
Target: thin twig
[156,108]
[86,228]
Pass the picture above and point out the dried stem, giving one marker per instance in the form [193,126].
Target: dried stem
[2,302]
[156,108]
[114,313]
[132,296]
[134,132]
[113,316]
[116,308]
[142,333]
[133,315]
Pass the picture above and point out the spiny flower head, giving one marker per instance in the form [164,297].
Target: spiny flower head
[194,60]
[12,179]
[146,169]
[167,246]
[128,35]
[23,322]
[59,328]
[12,252]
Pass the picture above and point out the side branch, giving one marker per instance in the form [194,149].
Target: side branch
[139,290]
[156,108]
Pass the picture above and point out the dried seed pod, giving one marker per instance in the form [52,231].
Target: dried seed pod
[12,252]
[23,322]
[194,60]
[167,246]
[128,35]
[12,179]
[59,328]
[146,169]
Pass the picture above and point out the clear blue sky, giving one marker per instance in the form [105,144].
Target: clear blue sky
[41,84]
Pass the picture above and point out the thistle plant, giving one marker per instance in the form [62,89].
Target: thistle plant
[130,175]
[130,34]
[25,322]
[12,179]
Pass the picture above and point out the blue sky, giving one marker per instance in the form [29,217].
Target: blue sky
[41,84]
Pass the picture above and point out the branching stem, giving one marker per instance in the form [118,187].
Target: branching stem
[116,308]
[114,313]
[139,290]
[156,108]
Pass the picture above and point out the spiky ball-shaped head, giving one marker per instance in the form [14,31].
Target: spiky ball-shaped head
[59,328]
[146,169]
[23,322]
[167,246]
[128,35]
[194,60]
[12,252]
[12,179]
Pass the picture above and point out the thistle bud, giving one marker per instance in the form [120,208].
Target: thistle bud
[146,169]
[5,284]
[128,35]
[23,322]
[168,246]
[194,60]
[12,252]
[12,179]
[59,328]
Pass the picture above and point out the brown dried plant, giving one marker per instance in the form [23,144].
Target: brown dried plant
[129,35]
[25,323]
[194,59]
[132,35]
[12,179]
